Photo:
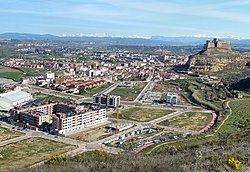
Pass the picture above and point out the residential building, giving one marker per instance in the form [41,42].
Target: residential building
[69,122]
[172,98]
[106,100]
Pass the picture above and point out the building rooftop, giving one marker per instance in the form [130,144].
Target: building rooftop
[15,95]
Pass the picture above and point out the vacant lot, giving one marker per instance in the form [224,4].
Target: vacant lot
[129,94]
[193,121]
[6,134]
[142,114]
[92,91]
[27,152]
[6,72]
[158,87]
[93,135]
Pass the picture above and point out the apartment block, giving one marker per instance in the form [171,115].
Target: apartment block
[106,100]
[69,122]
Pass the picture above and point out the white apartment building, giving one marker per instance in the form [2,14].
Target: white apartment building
[69,122]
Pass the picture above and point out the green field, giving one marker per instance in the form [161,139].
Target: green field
[239,119]
[193,121]
[129,94]
[142,114]
[10,73]
[6,134]
[92,91]
[27,152]
[47,97]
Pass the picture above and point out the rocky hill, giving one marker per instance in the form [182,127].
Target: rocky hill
[216,59]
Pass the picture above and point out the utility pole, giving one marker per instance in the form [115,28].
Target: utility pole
[117,116]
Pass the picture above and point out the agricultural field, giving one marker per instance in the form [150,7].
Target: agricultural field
[92,135]
[142,114]
[6,72]
[129,94]
[193,121]
[27,152]
[6,134]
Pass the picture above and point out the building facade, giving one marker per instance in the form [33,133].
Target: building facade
[172,98]
[106,100]
[64,117]
[70,122]
[215,43]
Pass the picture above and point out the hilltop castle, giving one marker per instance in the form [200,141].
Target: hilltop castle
[215,43]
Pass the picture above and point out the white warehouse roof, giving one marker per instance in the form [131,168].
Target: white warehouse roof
[10,99]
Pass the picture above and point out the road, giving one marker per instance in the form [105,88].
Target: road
[33,88]
[148,86]
[14,140]
[110,88]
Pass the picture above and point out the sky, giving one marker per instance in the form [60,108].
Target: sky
[128,18]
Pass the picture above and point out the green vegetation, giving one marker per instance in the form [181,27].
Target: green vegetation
[92,91]
[189,156]
[142,114]
[193,121]
[129,94]
[10,73]
[47,97]
[27,152]
[239,119]
[6,134]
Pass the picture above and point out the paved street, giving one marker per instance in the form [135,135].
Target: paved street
[110,88]
[148,86]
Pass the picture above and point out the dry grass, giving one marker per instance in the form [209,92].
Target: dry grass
[27,152]
[142,114]
[193,121]
[93,135]
[6,134]
[7,69]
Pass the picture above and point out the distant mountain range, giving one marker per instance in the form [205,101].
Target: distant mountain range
[155,40]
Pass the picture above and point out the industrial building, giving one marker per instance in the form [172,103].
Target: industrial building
[172,98]
[106,100]
[10,99]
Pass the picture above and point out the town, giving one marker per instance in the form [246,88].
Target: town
[121,101]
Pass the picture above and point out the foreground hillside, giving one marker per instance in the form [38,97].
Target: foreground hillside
[201,153]
[209,156]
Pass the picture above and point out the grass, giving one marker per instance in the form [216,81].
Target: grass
[47,97]
[142,114]
[93,135]
[129,94]
[95,90]
[6,134]
[10,73]
[158,87]
[27,152]
[189,157]
[193,121]
[239,120]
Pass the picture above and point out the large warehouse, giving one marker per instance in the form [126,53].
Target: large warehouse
[10,99]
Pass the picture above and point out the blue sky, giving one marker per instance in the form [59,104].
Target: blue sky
[225,18]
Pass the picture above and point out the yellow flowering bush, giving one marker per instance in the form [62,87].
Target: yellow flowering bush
[56,158]
[234,163]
